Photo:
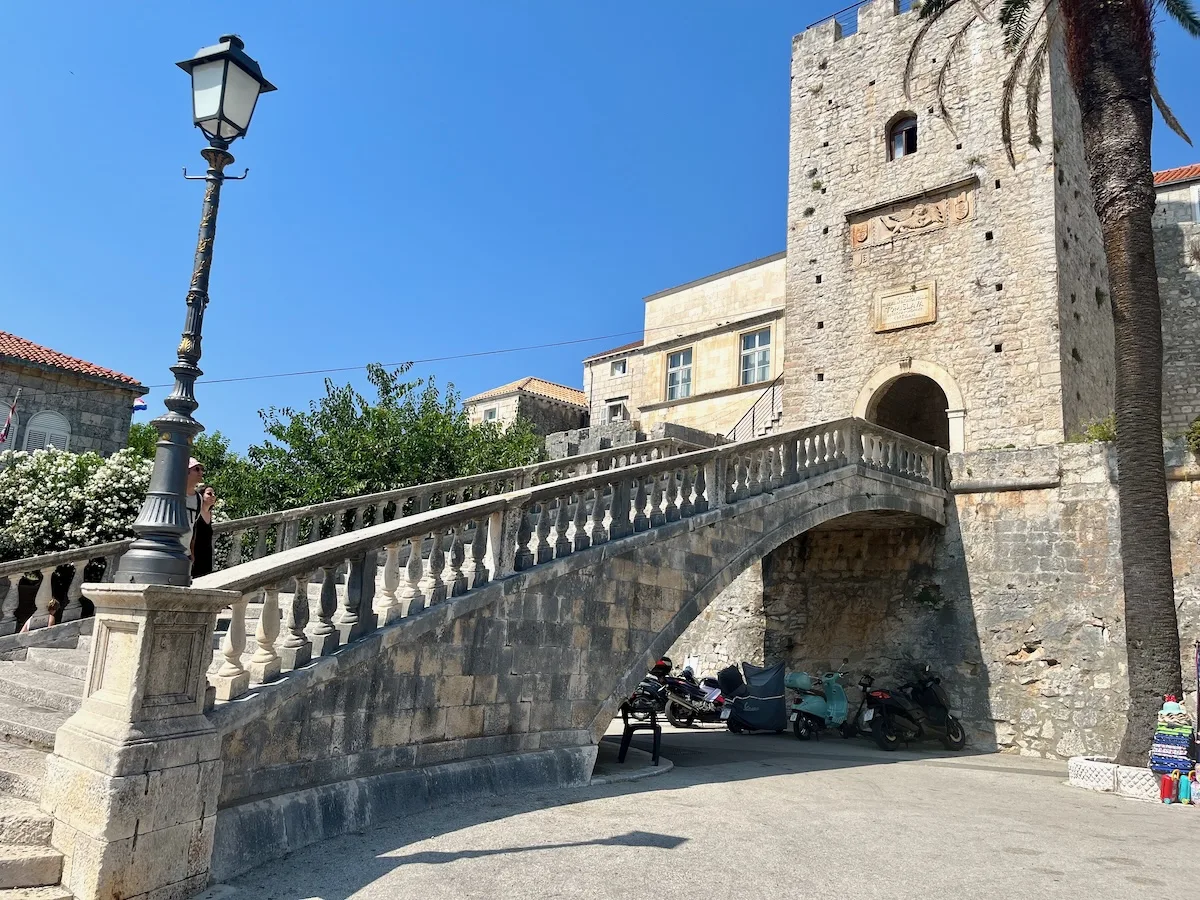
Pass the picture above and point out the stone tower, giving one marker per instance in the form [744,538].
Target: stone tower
[932,286]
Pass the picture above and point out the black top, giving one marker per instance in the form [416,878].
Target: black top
[202,549]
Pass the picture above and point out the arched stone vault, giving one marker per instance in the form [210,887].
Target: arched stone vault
[956,408]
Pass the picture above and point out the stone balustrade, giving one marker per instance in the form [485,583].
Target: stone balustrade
[431,555]
[240,540]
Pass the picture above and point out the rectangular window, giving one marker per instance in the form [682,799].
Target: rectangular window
[679,374]
[756,356]
[617,367]
[489,415]
[616,411]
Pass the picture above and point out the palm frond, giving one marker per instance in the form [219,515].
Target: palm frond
[955,44]
[931,13]
[1020,52]
[1033,87]
[1168,116]
[1183,13]
[1012,20]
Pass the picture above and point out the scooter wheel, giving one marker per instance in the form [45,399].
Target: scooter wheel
[884,733]
[802,728]
[956,735]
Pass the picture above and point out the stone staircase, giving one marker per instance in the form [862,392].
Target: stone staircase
[37,694]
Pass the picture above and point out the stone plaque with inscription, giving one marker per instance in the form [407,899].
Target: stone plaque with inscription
[903,307]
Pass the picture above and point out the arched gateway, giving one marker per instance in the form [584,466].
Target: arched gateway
[917,398]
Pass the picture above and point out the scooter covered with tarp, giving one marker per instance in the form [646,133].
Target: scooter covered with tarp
[754,702]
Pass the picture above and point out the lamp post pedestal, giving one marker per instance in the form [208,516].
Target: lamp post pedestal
[158,555]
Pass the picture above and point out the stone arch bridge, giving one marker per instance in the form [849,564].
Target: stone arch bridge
[471,649]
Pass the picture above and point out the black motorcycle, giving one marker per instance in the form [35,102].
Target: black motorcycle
[918,711]
[690,700]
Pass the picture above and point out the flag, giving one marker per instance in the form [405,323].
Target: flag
[139,405]
[12,412]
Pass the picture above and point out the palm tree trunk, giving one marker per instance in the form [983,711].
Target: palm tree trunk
[1110,56]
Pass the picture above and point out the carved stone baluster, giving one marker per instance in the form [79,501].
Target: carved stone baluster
[543,552]
[231,679]
[479,548]
[289,534]
[110,568]
[295,650]
[458,555]
[41,601]
[599,534]
[435,587]
[386,603]
[235,548]
[73,608]
[562,523]
[657,516]
[352,520]
[619,526]
[582,539]
[778,470]
[412,598]
[324,634]
[685,494]
[265,664]
[8,609]
[523,558]
[347,617]
[743,478]
[260,543]
[670,496]
[641,521]
[703,473]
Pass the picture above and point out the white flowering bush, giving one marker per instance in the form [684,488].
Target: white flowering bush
[55,500]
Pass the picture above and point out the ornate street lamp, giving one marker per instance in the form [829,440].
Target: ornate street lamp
[225,88]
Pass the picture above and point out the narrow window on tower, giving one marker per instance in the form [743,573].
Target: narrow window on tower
[902,136]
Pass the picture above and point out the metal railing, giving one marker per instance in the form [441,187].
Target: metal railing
[848,18]
[761,414]
[239,540]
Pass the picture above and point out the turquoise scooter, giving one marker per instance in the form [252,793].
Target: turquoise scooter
[817,707]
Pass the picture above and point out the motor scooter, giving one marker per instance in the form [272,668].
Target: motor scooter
[817,707]
[918,711]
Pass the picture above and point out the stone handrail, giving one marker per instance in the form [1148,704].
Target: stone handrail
[426,557]
[254,537]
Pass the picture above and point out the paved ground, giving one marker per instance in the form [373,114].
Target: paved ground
[768,816]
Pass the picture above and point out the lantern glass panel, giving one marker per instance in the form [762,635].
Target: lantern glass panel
[241,93]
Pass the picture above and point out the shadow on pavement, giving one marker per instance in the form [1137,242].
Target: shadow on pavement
[701,756]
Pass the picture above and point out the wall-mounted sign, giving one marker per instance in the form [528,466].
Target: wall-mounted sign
[903,307]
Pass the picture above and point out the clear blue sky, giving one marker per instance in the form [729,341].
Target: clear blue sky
[431,179]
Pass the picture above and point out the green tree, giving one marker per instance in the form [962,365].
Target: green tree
[142,438]
[1109,46]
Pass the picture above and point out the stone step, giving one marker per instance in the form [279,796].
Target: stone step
[22,822]
[30,726]
[21,772]
[35,686]
[37,893]
[24,866]
[71,663]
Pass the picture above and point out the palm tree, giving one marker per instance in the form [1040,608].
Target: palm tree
[1110,55]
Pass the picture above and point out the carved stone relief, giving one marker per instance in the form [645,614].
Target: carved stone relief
[881,226]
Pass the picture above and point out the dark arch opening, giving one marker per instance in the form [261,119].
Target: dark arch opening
[915,405]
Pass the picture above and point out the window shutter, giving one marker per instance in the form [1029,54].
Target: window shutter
[35,439]
[58,440]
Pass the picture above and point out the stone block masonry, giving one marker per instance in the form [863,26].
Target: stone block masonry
[1018,603]
[1002,249]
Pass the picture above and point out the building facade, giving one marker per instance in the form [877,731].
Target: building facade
[548,407]
[1177,258]
[62,401]
[711,347]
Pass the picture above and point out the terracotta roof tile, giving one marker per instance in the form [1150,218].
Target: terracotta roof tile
[1180,173]
[21,350]
[536,386]
[630,346]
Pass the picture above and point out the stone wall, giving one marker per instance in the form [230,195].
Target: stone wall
[1177,257]
[548,416]
[953,218]
[603,387]
[99,413]
[1017,603]
[730,631]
